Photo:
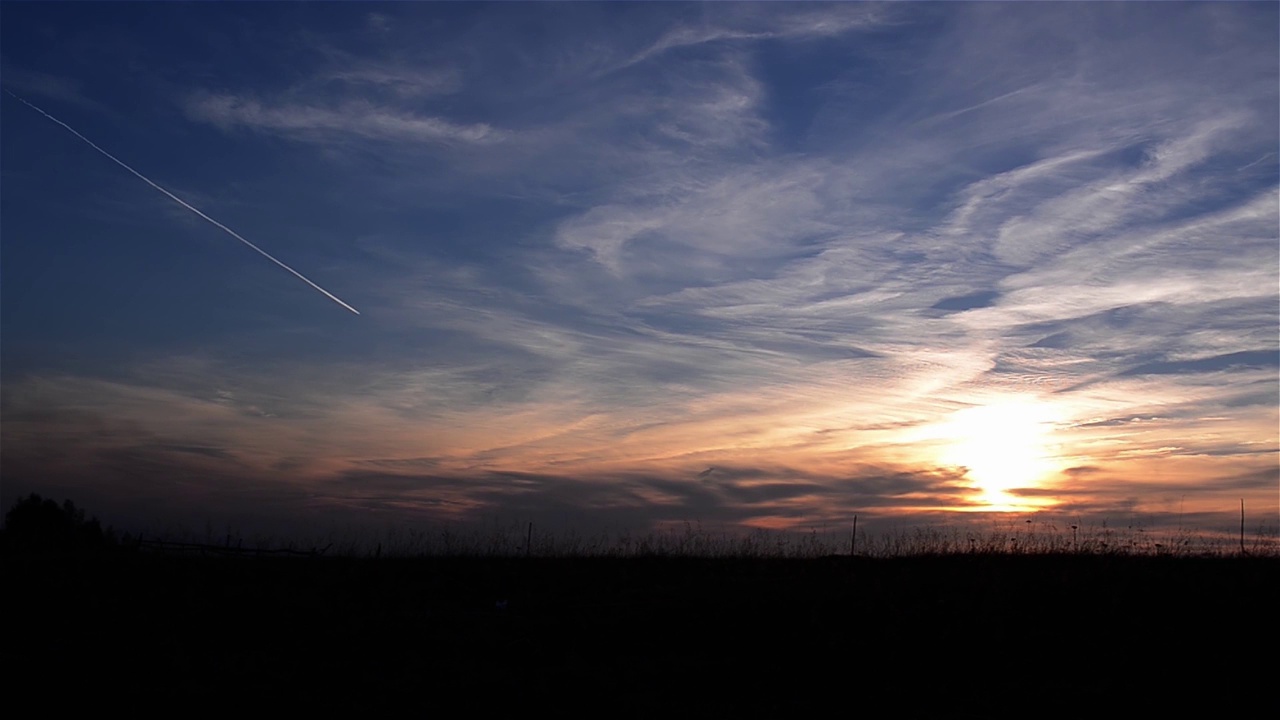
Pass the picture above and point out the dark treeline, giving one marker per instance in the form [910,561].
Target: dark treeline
[40,525]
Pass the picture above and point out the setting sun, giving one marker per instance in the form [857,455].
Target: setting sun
[1003,446]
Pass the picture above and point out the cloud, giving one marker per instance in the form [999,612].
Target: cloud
[63,89]
[744,23]
[732,219]
[980,299]
[361,119]
[403,82]
[1217,363]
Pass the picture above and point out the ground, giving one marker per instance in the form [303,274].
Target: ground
[956,636]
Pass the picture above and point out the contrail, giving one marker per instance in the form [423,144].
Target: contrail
[186,205]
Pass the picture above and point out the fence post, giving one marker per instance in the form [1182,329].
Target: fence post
[1242,526]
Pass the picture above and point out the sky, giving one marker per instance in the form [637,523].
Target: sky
[635,265]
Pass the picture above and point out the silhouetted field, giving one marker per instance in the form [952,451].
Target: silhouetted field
[976,634]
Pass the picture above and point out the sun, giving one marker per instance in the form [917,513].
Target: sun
[1003,446]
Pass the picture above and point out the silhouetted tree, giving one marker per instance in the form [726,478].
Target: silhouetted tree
[36,524]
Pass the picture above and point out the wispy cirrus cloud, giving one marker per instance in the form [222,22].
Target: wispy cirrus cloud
[403,82]
[363,120]
[744,23]
[45,85]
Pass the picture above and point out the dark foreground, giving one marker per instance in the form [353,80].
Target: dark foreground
[954,636]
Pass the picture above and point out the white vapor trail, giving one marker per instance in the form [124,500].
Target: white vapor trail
[186,205]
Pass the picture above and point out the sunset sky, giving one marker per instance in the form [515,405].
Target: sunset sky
[630,265]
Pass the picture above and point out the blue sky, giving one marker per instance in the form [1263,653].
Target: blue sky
[635,264]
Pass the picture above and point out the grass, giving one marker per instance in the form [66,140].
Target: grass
[1005,536]
[1004,620]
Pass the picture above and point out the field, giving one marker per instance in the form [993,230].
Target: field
[661,629]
